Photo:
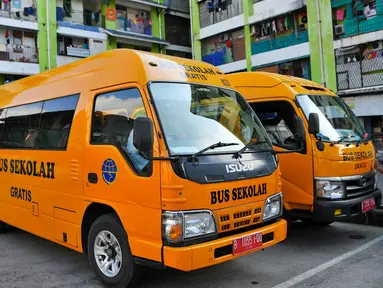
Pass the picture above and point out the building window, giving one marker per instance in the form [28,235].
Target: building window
[67,5]
[279,32]
[75,47]
[224,48]
[297,68]
[134,20]
[178,30]
[359,66]
[354,17]
[17,37]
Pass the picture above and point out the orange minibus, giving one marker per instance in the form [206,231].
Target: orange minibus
[138,159]
[333,177]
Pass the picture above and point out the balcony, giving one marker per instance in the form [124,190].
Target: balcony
[209,14]
[152,3]
[225,48]
[351,20]
[79,17]
[28,14]
[360,66]
[18,53]
[274,43]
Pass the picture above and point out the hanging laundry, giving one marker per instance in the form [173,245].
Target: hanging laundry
[97,17]
[216,8]
[273,27]
[280,27]
[222,5]
[229,43]
[288,23]
[209,5]
[340,14]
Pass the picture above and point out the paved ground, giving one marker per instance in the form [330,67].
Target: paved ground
[310,257]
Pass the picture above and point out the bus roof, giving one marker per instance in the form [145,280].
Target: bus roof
[271,80]
[109,68]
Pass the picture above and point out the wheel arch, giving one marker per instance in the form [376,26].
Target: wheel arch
[92,212]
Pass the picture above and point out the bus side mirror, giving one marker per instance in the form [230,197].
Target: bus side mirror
[143,135]
[313,124]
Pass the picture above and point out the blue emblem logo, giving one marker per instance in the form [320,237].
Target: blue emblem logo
[109,171]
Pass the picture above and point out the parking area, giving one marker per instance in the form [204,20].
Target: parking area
[341,255]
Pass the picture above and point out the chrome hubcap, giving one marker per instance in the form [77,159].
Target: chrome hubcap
[107,252]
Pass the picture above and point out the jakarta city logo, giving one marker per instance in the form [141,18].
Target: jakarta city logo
[109,171]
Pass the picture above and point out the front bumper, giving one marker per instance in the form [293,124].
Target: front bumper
[325,210]
[220,250]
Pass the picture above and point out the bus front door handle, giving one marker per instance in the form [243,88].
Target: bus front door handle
[92,178]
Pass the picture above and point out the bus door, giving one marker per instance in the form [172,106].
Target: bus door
[115,174]
[278,118]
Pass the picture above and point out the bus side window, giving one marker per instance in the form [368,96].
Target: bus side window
[112,123]
[2,122]
[21,126]
[56,121]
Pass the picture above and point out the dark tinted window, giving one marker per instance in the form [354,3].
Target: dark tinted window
[21,126]
[113,119]
[56,121]
[2,122]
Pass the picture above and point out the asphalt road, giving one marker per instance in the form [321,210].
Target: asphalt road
[341,255]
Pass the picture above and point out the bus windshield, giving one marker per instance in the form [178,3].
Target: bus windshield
[194,117]
[337,122]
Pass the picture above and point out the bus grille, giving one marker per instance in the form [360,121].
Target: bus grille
[239,217]
[359,185]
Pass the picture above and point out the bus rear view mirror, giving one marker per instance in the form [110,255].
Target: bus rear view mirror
[143,135]
[313,124]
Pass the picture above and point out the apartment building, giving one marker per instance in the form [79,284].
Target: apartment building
[337,43]
[37,35]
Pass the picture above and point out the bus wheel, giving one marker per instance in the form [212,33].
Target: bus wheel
[109,253]
[2,227]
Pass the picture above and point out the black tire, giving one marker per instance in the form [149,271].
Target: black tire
[318,223]
[3,227]
[129,273]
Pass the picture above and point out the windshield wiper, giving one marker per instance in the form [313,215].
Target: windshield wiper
[344,138]
[211,147]
[248,145]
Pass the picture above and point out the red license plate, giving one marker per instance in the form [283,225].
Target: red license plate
[247,243]
[368,205]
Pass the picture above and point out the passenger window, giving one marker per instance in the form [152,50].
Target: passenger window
[21,126]
[279,120]
[113,119]
[2,122]
[56,121]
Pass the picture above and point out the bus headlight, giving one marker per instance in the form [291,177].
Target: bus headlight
[273,207]
[330,189]
[184,225]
